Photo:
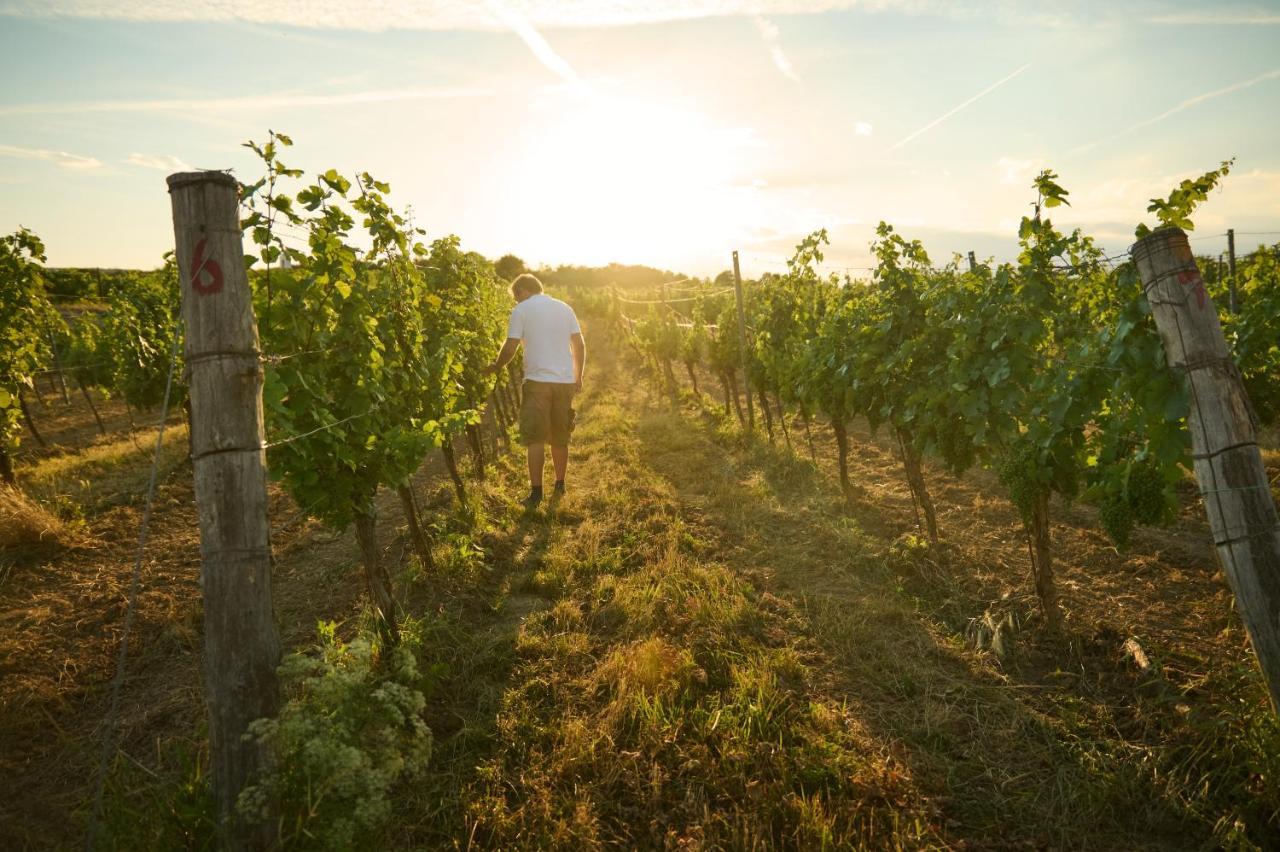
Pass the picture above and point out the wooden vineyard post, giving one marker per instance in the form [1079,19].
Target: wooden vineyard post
[742,342]
[973,262]
[242,649]
[1228,464]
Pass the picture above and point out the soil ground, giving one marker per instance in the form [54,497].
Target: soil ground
[703,645]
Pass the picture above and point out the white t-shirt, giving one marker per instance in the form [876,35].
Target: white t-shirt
[545,325]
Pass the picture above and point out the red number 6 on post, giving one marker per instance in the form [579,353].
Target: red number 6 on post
[200,265]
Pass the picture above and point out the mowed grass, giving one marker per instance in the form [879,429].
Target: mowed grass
[1003,773]
[25,523]
[1062,745]
[109,470]
[648,695]
[59,490]
[704,647]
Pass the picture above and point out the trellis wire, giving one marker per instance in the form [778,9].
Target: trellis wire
[113,711]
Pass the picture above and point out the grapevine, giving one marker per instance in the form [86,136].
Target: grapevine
[28,322]
[378,362]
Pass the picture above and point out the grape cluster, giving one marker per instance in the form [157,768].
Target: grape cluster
[1020,474]
[1117,518]
[1141,500]
[1146,493]
[955,445]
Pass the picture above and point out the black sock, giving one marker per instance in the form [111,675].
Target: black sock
[535,490]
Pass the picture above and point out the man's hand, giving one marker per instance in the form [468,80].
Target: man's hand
[577,386]
[504,357]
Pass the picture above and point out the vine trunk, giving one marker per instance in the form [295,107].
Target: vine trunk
[375,573]
[451,463]
[842,446]
[31,424]
[1042,563]
[915,480]
[416,535]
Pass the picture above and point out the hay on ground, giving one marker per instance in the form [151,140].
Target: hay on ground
[24,522]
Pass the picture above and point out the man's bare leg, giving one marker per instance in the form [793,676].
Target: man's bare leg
[537,458]
[560,459]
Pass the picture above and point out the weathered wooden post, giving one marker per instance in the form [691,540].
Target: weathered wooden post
[1228,464]
[242,649]
[973,262]
[742,342]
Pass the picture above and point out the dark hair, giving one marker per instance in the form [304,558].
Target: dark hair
[526,283]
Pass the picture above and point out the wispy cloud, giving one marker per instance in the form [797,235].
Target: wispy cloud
[988,90]
[769,32]
[862,128]
[246,103]
[1184,105]
[160,162]
[1014,171]
[541,49]
[62,158]
[377,15]
[1219,17]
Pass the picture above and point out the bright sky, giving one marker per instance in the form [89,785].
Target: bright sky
[667,132]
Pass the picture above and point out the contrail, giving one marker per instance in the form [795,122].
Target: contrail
[988,90]
[769,32]
[1187,104]
[545,53]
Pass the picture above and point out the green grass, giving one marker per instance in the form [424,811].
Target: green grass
[1016,757]
[702,646]
[651,696]
[113,469]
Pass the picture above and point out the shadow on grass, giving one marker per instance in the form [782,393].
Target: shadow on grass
[474,612]
[1004,773]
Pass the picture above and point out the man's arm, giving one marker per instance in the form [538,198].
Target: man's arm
[579,347]
[504,357]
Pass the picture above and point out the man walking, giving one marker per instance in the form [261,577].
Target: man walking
[554,355]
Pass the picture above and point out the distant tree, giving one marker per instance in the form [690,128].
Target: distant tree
[725,279]
[509,266]
[614,275]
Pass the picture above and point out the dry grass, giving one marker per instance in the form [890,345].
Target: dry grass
[648,696]
[60,619]
[701,646]
[107,471]
[24,523]
[1056,742]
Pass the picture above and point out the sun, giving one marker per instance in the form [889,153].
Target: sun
[602,179]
